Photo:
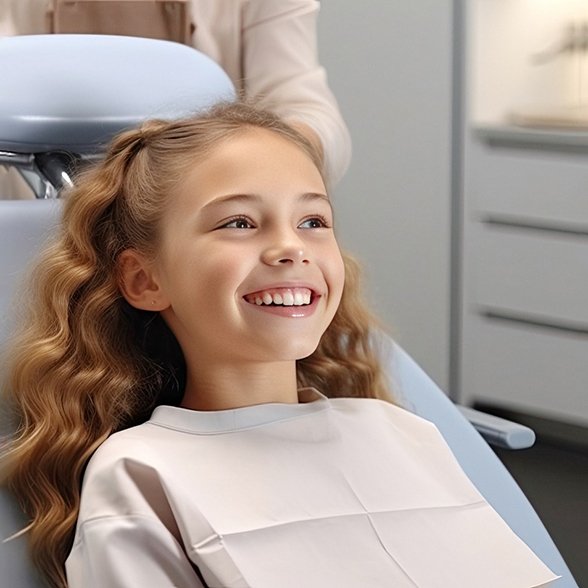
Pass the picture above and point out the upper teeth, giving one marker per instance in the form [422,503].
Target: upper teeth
[284,296]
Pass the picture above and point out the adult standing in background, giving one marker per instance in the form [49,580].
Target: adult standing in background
[267,47]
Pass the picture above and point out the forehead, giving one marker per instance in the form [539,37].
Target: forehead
[261,145]
[252,160]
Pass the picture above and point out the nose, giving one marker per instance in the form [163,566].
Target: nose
[286,249]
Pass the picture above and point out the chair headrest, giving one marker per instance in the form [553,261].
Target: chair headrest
[74,92]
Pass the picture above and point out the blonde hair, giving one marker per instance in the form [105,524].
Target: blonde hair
[88,364]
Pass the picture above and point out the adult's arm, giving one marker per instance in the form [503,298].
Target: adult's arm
[282,71]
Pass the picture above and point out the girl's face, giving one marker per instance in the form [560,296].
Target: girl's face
[249,268]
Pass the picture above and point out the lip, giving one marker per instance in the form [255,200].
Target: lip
[286,311]
[282,285]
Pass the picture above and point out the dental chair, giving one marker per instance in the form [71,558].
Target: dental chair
[39,136]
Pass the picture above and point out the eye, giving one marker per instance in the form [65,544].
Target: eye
[314,222]
[240,222]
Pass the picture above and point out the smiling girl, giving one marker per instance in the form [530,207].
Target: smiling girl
[197,352]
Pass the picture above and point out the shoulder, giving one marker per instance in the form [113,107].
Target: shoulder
[392,435]
[124,475]
[126,456]
[375,414]
[374,406]
[130,443]
[143,447]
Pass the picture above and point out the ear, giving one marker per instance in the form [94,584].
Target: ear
[138,283]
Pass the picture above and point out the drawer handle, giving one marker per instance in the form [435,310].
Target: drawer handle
[535,321]
[513,222]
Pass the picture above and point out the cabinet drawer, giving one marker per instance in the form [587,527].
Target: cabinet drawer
[545,187]
[535,370]
[531,273]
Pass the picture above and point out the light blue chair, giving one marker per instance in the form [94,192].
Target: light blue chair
[24,227]
[166,80]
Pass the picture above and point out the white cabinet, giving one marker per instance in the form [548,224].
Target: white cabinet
[525,278]
[524,245]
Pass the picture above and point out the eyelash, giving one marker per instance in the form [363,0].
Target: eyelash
[237,219]
[323,221]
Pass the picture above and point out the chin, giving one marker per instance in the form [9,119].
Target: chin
[305,351]
[294,350]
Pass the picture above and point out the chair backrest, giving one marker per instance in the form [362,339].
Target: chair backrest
[25,225]
[24,228]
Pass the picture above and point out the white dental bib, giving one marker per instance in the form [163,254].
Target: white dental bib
[340,493]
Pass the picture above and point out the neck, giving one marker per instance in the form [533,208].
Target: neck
[222,387]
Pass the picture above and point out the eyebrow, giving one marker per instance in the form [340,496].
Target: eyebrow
[306,197]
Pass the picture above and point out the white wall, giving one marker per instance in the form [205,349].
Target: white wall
[389,64]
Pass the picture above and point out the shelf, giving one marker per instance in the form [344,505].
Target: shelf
[533,138]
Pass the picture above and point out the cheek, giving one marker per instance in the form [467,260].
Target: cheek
[216,281]
[225,268]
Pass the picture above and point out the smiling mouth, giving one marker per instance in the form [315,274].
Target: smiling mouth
[281,297]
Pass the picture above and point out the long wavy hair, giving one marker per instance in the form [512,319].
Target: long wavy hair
[87,364]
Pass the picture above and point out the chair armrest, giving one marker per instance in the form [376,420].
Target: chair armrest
[498,431]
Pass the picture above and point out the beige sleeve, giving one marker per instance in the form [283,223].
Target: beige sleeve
[23,17]
[19,17]
[281,69]
[12,185]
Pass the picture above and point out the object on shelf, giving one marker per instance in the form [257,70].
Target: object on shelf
[575,118]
